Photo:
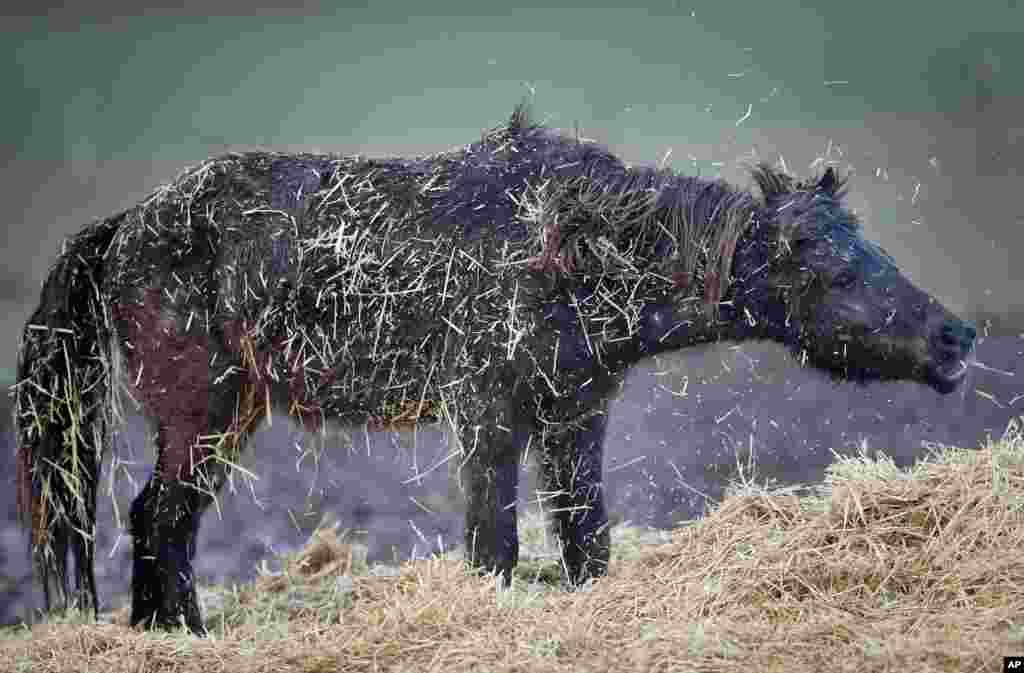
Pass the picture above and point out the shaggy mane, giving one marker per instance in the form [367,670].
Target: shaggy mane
[613,217]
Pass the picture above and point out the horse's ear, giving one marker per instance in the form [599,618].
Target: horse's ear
[521,117]
[771,182]
[828,181]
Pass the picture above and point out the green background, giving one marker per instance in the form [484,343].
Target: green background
[99,110]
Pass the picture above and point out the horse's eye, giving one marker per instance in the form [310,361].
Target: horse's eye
[844,279]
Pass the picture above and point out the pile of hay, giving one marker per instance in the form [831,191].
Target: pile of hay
[881,569]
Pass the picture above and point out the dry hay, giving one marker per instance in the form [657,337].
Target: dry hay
[919,571]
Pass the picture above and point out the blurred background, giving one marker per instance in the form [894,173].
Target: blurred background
[921,102]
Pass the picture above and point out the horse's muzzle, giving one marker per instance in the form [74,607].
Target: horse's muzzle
[953,353]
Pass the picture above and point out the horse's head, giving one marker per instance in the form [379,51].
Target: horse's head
[837,300]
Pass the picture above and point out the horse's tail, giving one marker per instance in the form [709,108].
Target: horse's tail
[62,413]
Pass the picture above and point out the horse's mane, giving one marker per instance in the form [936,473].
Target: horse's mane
[655,220]
[638,209]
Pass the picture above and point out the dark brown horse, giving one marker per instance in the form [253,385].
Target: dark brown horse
[503,289]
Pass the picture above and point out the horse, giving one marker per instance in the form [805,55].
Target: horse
[502,288]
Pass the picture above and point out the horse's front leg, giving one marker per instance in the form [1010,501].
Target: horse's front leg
[490,477]
[571,468]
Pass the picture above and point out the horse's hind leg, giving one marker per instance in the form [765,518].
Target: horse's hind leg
[145,588]
[164,524]
[193,449]
[204,405]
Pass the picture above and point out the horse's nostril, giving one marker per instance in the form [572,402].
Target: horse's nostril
[957,334]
